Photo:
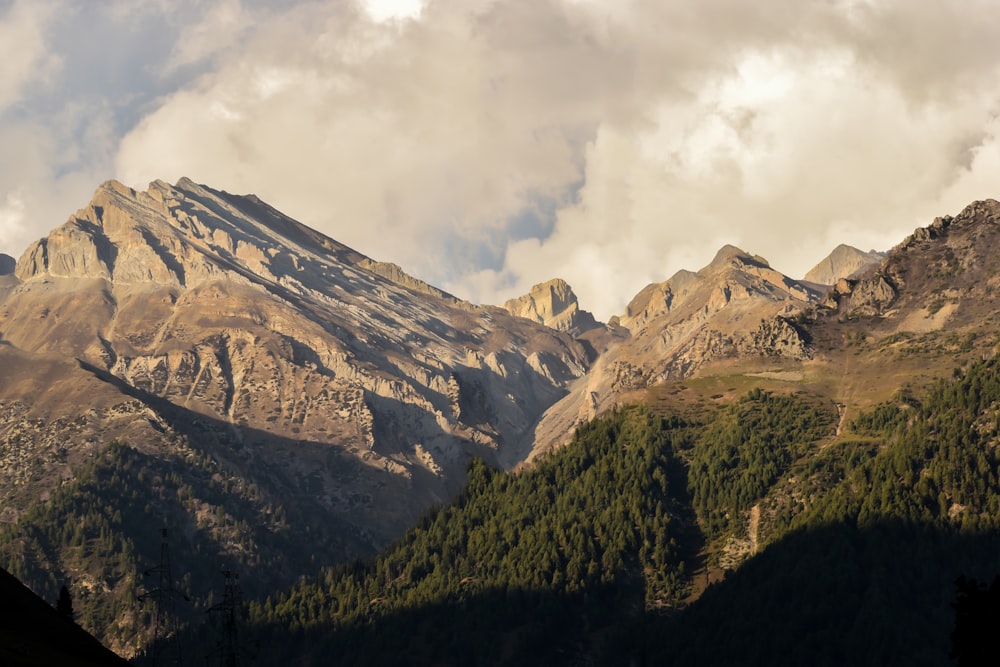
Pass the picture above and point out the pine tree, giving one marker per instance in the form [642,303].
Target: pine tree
[64,605]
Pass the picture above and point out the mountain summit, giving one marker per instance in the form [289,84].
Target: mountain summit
[222,306]
[736,306]
[220,339]
[844,262]
[190,358]
[555,305]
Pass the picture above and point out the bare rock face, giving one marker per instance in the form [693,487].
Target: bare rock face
[553,304]
[7,264]
[844,262]
[942,274]
[737,306]
[321,375]
[777,337]
[871,296]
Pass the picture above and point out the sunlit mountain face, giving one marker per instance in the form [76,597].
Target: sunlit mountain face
[378,458]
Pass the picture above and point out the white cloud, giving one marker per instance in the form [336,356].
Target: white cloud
[434,134]
[55,173]
[491,144]
[12,217]
[386,10]
[825,152]
[216,30]
[23,51]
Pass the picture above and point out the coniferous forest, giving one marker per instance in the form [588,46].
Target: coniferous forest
[589,557]
[629,546]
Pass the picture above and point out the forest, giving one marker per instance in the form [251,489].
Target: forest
[589,557]
[598,554]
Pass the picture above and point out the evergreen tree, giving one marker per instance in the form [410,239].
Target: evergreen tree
[64,605]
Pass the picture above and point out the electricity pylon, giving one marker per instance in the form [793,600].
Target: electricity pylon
[228,612]
[164,651]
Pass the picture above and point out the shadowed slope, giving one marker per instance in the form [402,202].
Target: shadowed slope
[32,634]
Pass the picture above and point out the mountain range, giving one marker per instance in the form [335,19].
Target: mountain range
[189,358]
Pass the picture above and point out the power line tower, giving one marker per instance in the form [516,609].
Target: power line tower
[228,613]
[164,651]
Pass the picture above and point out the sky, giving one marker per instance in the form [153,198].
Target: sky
[489,145]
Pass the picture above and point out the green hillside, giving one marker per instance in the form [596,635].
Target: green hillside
[749,531]
[101,531]
[587,557]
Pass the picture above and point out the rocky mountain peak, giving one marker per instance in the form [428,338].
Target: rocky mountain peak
[736,306]
[309,368]
[730,256]
[554,304]
[942,275]
[981,211]
[179,235]
[7,264]
[733,276]
[844,262]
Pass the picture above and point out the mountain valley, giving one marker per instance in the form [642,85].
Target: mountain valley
[379,458]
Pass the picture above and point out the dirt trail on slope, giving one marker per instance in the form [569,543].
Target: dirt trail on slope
[753,529]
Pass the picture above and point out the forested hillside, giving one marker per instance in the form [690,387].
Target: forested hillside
[588,557]
[897,511]
[539,566]
[552,565]
[86,535]
[823,546]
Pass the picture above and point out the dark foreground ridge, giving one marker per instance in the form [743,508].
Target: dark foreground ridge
[33,634]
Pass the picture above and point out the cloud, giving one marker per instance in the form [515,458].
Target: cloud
[437,133]
[22,48]
[12,216]
[55,173]
[216,30]
[486,145]
[76,77]
[387,10]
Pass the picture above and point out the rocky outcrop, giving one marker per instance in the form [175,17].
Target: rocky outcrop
[7,264]
[395,273]
[924,281]
[300,357]
[941,278]
[868,297]
[777,337]
[736,306]
[553,304]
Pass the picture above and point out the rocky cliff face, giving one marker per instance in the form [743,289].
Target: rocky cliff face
[185,314]
[942,275]
[935,295]
[553,304]
[7,264]
[737,306]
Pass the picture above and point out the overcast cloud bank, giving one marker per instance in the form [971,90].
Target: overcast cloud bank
[488,145]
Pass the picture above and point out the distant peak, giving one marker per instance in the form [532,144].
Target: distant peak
[554,304]
[728,254]
[7,264]
[557,287]
[844,262]
[115,187]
